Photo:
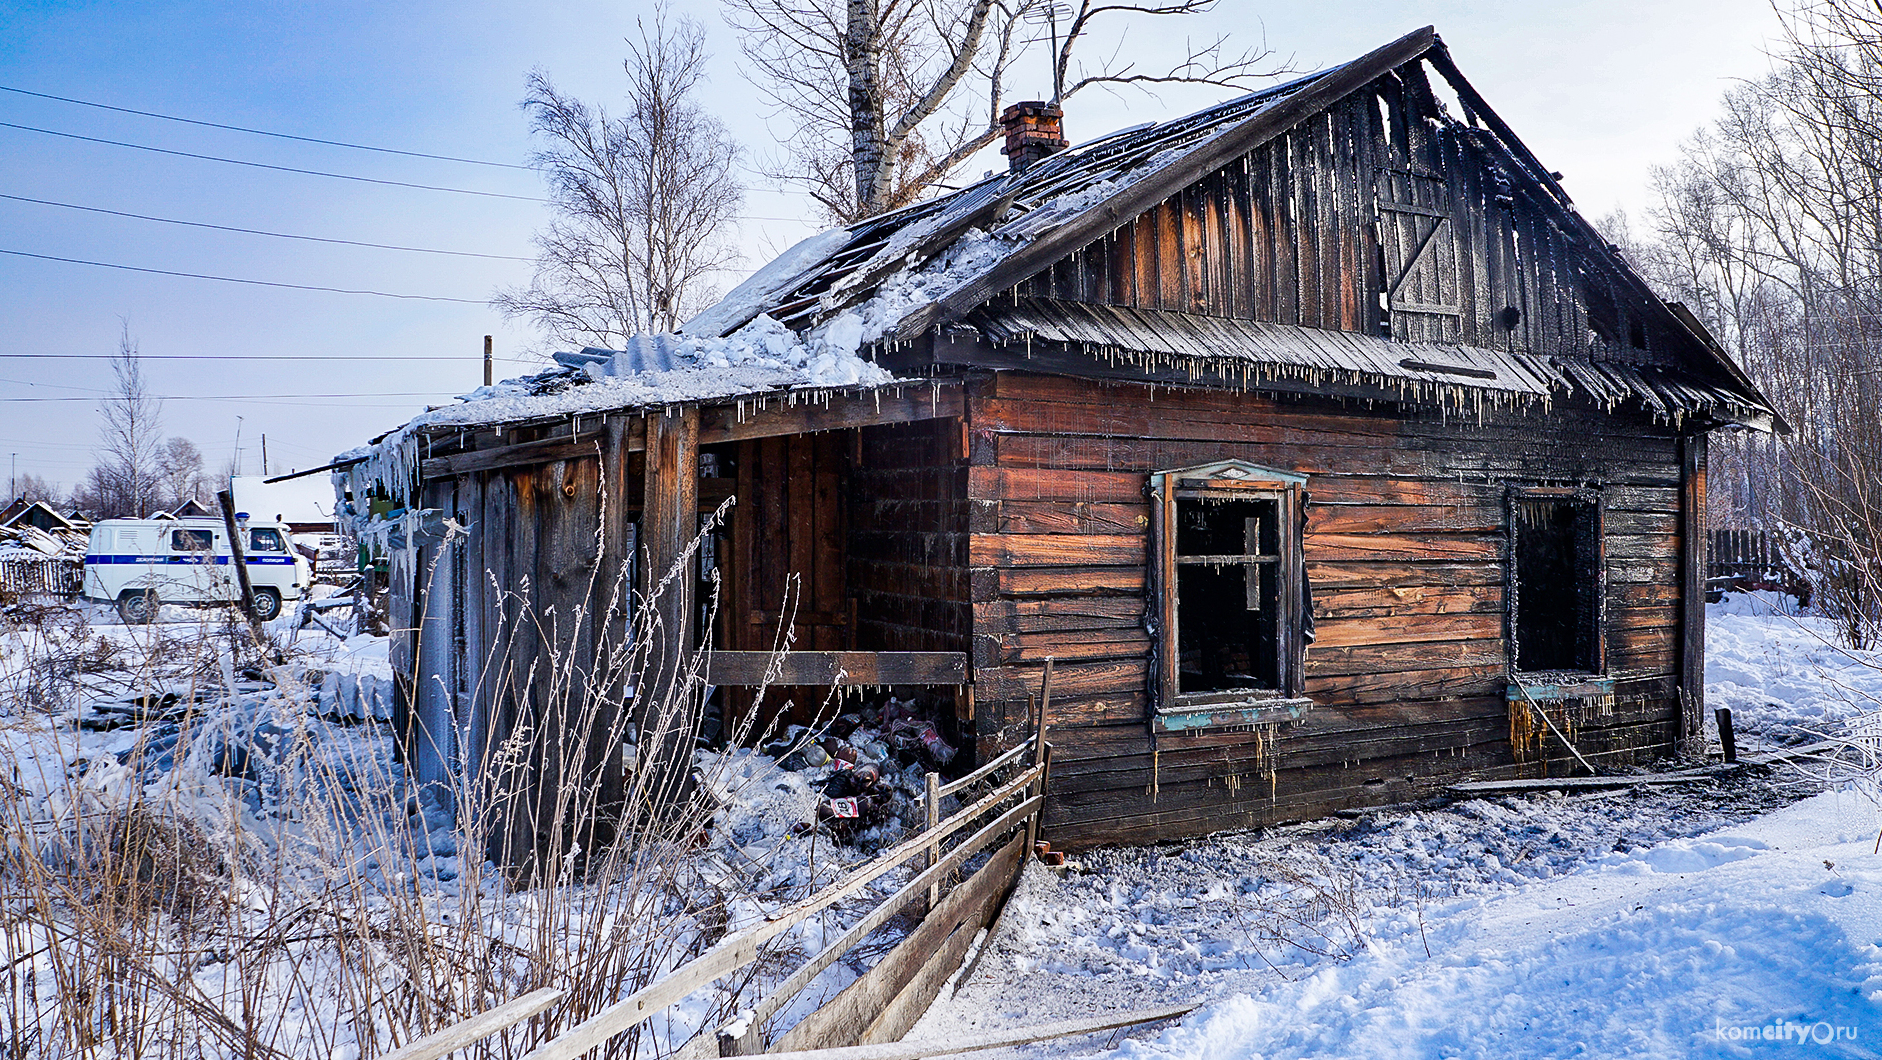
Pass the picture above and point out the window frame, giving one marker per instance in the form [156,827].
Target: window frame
[1596,501]
[1171,709]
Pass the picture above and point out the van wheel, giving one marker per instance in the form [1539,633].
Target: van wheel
[138,606]
[267,604]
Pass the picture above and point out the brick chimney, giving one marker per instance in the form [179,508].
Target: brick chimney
[1034,130]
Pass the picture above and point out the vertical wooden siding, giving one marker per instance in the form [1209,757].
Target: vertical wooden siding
[1319,225]
[1406,554]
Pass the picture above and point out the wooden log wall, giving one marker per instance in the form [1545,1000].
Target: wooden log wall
[1406,552]
[1380,196]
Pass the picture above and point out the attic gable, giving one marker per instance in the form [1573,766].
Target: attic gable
[1351,200]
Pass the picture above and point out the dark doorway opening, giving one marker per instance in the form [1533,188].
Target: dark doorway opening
[1555,583]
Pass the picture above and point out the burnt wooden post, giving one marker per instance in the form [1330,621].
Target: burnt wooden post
[669,520]
[1692,595]
[1727,739]
[238,558]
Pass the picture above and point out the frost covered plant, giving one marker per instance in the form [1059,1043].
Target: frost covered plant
[228,874]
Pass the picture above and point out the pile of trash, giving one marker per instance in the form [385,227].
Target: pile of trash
[869,767]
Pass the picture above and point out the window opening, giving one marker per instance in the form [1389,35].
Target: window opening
[1555,581]
[192,540]
[1228,555]
[1232,611]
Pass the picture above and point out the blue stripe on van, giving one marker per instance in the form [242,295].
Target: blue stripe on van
[286,561]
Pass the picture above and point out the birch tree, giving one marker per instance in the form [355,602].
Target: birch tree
[885,98]
[641,202]
[130,438]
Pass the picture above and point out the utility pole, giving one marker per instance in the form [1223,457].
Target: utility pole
[13,482]
[264,454]
[486,360]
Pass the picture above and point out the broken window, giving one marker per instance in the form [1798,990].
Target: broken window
[1555,581]
[1233,604]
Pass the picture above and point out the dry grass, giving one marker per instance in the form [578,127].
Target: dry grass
[248,882]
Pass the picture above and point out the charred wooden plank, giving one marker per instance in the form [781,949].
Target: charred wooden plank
[524,454]
[828,668]
[727,423]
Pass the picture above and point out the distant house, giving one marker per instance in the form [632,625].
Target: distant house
[1324,448]
[189,509]
[23,512]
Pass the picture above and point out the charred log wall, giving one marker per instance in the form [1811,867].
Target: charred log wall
[1406,551]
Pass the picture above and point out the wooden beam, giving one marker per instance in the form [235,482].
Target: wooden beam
[477,1028]
[1692,588]
[538,452]
[924,401]
[669,521]
[836,668]
[916,1050]
[884,1003]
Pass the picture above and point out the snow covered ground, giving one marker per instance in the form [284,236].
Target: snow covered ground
[294,813]
[1731,918]
[1740,917]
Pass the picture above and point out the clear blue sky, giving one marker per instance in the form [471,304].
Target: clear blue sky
[1600,89]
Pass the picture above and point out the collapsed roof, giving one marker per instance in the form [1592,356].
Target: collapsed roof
[838,310]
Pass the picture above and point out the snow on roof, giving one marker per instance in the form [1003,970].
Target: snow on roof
[921,253]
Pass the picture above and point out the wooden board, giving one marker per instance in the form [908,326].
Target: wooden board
[828,668]
[882,1004]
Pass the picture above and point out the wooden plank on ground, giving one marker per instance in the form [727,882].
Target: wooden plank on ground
[996,1040]
[836,668]
[478,1027]
[741,948]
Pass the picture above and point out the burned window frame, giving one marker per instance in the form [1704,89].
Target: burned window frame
[1595,500]
[1227,480]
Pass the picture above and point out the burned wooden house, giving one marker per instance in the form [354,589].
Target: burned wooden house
[1329,454]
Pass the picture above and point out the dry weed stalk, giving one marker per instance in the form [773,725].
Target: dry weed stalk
[255,883]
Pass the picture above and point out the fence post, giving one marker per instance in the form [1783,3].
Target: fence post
[1039,757]
[934,849]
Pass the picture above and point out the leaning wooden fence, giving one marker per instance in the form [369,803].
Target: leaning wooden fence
[887,1000]
[51,575]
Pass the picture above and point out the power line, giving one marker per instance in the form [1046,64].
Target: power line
[260,357]
[259,232]
[265,165]
[236,279]
[262,132]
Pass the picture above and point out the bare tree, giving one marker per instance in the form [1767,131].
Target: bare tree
[180,476]
[30,487]
[642,202]
[1770,227]
[887,97]
[124,482]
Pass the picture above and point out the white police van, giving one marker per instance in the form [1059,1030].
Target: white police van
[141,564]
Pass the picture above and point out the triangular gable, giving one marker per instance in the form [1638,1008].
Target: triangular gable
[946,258]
